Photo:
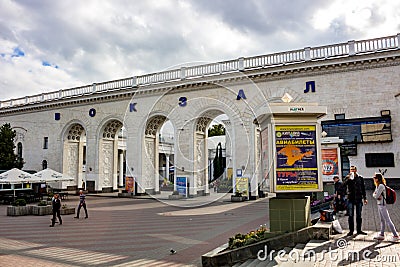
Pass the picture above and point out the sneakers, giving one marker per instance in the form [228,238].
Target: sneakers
[361,233]
[379,237]
[394,239]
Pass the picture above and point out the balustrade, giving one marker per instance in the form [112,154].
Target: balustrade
[283,58]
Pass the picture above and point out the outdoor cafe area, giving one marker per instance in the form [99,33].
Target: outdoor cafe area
[17,184]
[30,194]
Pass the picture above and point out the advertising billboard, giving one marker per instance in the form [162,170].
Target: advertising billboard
[296,158]
[330,163]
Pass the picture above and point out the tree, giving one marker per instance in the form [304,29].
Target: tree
[216,129]
[218,163]
[8,158]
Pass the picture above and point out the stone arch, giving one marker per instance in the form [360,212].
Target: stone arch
[200,149]
[74,151]
[150,162]
[111,146]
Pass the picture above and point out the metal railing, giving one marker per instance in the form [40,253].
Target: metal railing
[241,64]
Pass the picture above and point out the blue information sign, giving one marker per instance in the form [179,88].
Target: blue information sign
[181,185]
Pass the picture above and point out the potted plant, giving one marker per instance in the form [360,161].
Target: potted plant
[42,208]
[65,210]
[238,197]
[18,208]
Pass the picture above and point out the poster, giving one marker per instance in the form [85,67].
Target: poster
[330,160]
[265,185]
[229,173]
[181,185]
[242,186]
[129,184]
[296,158]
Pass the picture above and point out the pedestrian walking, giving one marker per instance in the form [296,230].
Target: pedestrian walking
[56,205]
[379,195]
[82,203]
[339,196]
[354,183]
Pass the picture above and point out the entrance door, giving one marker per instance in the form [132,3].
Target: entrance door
[90,186]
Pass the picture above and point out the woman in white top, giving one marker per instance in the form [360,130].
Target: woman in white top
[379,195]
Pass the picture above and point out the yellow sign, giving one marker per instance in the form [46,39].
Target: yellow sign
[242,186]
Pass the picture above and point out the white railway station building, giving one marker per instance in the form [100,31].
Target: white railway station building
[102,132]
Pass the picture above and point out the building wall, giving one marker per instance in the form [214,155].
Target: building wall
[359,87]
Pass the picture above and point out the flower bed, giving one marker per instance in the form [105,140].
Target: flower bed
[224,256]
[41,210]
[240,240]
[19,210]
[36,210]
[66,211]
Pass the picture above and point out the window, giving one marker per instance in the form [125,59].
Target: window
[46,143]
[340,116]
[19,150]
[44,164]
[379,159]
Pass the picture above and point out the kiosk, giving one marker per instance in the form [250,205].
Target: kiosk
[291,162]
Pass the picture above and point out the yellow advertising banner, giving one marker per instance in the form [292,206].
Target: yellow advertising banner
[296,158]
[242,186]
[129,184]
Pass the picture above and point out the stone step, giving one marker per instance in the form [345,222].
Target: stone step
[271,259]
[278,259]
[312,251]
[294,257]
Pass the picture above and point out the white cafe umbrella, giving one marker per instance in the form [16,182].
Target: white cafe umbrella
[15,176]
[50,176]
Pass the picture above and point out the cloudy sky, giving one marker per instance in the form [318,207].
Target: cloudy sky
[47,45]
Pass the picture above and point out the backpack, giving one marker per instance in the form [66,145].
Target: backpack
[390,195]
[326,216]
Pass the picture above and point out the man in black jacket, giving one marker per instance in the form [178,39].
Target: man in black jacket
[354,183]
[56,205]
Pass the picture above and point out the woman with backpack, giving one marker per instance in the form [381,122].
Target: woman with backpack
[379,195]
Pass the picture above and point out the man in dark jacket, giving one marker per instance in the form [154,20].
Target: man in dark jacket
[339,195]
[354,183]
[56,205]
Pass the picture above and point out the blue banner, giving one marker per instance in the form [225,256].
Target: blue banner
[181,185]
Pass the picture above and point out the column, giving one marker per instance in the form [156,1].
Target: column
[121,169]
[167,166]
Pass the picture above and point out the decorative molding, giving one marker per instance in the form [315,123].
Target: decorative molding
[279,72]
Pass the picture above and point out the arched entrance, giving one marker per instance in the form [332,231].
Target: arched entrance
[74,153]
[110,155]
[150,173]
[203,149]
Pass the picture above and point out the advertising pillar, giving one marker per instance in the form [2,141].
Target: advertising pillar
[291,162]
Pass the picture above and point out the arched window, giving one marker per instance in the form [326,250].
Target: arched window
[19,150]
[44,164]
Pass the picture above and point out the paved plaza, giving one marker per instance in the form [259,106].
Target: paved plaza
[141,232]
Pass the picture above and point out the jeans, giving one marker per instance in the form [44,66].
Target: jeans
[79,210]
[56,213]
[385,219]
[350,211]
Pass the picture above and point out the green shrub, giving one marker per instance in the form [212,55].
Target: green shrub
[50,196]
[240,240]
[20,202]
[42,203]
